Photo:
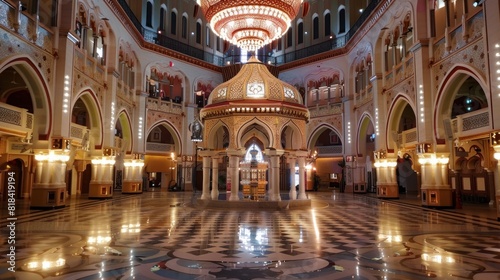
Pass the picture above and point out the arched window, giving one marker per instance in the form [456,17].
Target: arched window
[184,27]
[149,14]
[289,38]
[198,33]
[173,23]
[163,17]
[328,29]
[300,33]
[341,21]
[315,27]
[207,36]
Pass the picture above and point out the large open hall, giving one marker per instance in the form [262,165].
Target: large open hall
[249,139]
[166,235]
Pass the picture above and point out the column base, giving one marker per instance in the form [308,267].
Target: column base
[132,187]
[48,196]
[387,191]
[436,197]
[359,187]
[215,194]
[100,190]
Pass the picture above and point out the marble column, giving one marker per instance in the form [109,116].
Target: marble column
[206,178]
[435,189]
[49,187]
[132,175]
[387,185]
[274,182]
[101,183]
[233,177]
[215,178]
[302,177]
[293,190]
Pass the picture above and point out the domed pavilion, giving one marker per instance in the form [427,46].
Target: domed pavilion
[254,117]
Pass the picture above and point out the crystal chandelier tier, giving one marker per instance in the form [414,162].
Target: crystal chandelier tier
[250,24]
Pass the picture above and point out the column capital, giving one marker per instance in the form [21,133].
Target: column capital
[274,152]
[235,152]
[301,153]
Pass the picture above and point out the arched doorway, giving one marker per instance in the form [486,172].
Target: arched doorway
[326,158]
[473,182]
[86,134]
[406,176]
[364,176]
[26,107]
[161,160]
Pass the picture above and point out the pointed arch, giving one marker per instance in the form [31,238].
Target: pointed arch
[126,125]
[266,136]
[447,90]
[217,137]
[176,136]
[89,98]
[291,136]
[394,115]
[38,89]
[364,129]
[317,131]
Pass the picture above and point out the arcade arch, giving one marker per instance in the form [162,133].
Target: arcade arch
[163,146]
[325,144]
[25,102]
[463,106]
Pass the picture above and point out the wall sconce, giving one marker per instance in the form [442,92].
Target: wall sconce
[478,3]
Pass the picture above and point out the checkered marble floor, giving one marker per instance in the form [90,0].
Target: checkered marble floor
[161,235]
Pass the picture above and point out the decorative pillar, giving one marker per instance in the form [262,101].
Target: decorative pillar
[80,166]
[206,177]
[495,142]
[232,180]
[435,190]
[465,27]
[215,178]
[101,183]
[293,190]
[274,180]
[49,187]
[387,186]
[132,177]
[302,180]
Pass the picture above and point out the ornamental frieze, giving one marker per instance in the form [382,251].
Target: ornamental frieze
[82,82]
[334,121]
[473,56]
[155,117]
[12,46]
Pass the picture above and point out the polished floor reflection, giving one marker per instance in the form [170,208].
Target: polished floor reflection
[162,235]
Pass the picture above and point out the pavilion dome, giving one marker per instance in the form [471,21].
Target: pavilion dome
[254,83]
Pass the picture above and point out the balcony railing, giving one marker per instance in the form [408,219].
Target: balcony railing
[15,120]
[170,106]
[79,134]
[325,110]
[159,147]
[170,43]
[329,150]
[408,138]
[472,123]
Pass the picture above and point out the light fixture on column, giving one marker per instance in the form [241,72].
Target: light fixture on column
[478,3]
[250,24]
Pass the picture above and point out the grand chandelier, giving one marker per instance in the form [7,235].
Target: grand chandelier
[250,24]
